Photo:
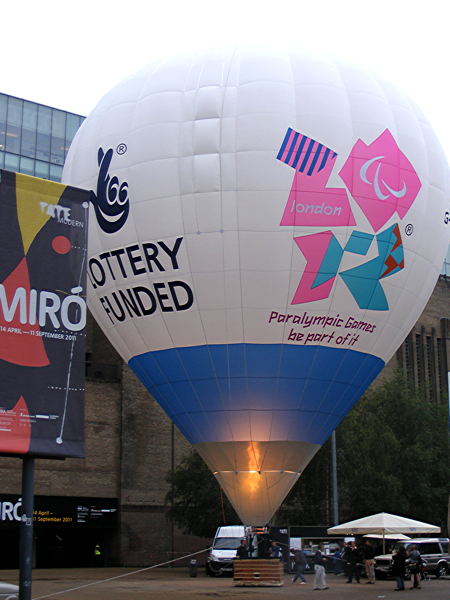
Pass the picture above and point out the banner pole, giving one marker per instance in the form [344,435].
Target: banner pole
[26,529]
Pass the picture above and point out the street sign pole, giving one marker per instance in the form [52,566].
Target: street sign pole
[26,529]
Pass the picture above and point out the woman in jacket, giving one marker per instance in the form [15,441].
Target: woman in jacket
[415,561]
[399,567]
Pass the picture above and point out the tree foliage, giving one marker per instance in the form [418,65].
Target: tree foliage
[308,501]
[393,455]
[392,451]
[195,501]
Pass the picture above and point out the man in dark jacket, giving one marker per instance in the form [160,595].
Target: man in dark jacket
[242,551]
[399,567]
[299,564]
[320,582]
[353,559]
[369,561]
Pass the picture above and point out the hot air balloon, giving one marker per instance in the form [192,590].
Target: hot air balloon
[266,228]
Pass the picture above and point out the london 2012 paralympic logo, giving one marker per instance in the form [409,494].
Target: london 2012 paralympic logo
[111,202]
[382,182]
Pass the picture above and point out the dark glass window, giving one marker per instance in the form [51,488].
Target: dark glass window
[3,106]
[11,162]
[58,137]
[431,368]
[2,160]
[44,130]
[409,360]
[26,165]
[420,361]
[442,367]
[73,123]
[55,173]
[429,548]
[29,125]
[41,169]
[13,125]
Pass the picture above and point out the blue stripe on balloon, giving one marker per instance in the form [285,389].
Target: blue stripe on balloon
[291,147]
[324,159]
[246,391]
[302,167]
[315,159]
[299,151]
[285,141]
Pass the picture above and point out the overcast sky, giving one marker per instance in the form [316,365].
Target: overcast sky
[69,54]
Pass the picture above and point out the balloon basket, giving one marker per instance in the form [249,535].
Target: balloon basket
[257,572]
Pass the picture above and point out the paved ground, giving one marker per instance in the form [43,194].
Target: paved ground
[175,584]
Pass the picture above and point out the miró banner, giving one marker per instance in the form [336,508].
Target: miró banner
[43,247]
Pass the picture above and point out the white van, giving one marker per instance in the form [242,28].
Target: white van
[223,549]
[8,591]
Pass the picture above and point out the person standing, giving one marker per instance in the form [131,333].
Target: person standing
[275,550]
[320,581]
[337,561]
[415,561]
[300,563]
[369,561]
[353,558]
[264,546]
[346,559]
[242,551]
[399,567]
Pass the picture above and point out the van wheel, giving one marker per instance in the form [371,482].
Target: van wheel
[441,570]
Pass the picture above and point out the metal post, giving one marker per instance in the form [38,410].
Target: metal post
[334,483]
[172,471]
[26,529]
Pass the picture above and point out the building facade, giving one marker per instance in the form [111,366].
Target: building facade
[114,499]
[34,139]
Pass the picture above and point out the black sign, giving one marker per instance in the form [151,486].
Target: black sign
[54,511]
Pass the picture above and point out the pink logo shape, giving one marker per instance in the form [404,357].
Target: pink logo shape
[381,179]
[314,248]
[311,203]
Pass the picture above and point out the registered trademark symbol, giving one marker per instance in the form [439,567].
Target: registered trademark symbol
[409,229]
[121,149]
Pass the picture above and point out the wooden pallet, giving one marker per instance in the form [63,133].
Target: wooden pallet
[258,572]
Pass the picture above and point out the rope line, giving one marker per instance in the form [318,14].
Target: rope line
[79,587]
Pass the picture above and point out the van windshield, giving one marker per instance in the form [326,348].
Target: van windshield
[227,543]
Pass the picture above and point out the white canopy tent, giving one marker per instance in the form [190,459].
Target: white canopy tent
[383,524]
[388,536]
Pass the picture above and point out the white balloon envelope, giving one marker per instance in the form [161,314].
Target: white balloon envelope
[266,229]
